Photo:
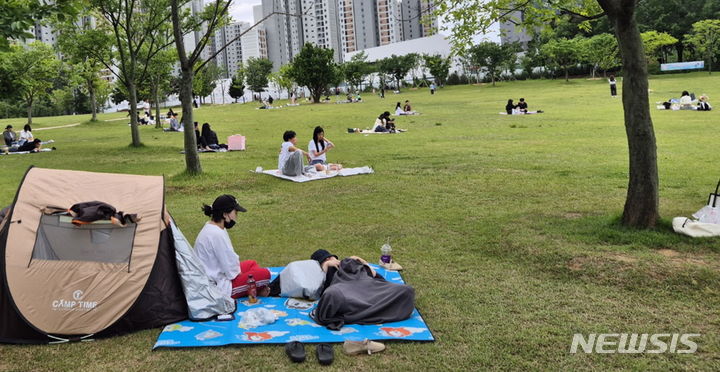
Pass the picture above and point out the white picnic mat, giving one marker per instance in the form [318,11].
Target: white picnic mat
[23,152]
[314,176]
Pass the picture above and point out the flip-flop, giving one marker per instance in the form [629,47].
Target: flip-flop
[295,351]
[325,354]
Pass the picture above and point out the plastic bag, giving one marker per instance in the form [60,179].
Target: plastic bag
[302,279]
[257,317]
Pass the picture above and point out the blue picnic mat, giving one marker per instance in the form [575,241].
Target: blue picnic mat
[293,324]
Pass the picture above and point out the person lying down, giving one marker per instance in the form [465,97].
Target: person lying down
[349,291]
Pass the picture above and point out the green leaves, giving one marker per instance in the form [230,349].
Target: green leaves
[257,72]
[314,68]
[705,38]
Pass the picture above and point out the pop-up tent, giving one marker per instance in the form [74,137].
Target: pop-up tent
[61,281]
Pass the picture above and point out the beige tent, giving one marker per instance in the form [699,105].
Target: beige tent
[60,281]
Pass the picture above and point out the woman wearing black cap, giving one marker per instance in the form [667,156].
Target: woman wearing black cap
[215,251]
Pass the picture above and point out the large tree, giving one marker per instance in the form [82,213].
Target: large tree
[705,38]
[656,45]
[314,68]
[491,57]
[283,78]
[564,53]
[438,66]
[356,70]
[237,86]
[468,17]
[139,31]
[257,73]
[32,70]
[602,52]
[84,49]
[397,66]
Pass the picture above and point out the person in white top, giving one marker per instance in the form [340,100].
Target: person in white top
[25,135]
[290,161]
[686,102]
[318,147]
[215,251]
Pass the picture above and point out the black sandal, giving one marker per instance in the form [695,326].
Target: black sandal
[325,354]
[295,351]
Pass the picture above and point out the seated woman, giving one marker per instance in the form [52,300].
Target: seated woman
[522,106]
[407,107]
[214,249]
[686,102]
[210,138]
[290,161]
[199,140]
[703,105]
[317,148]
[510,107]
[399,110]
[25,135]
[384,124]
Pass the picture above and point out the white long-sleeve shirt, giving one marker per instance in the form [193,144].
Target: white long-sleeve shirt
[215,251]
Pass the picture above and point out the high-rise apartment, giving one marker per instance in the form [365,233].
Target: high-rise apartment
[283,30]
[320,25]
[367,23]
[417,19]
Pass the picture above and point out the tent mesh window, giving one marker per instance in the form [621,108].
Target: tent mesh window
[101,241]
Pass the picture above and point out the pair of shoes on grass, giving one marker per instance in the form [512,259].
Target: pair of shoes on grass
[362,347]
[295,350]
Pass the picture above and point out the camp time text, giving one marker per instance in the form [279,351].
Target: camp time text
[73,305]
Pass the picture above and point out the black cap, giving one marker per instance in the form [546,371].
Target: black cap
[226,203]
[8,127]
[321,255]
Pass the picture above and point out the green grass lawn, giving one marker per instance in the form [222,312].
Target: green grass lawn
[506,226]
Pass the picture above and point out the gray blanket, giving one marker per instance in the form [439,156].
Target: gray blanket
[355,297]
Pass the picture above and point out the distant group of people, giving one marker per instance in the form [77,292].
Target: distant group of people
[290,159]
[688,101]
[23,142]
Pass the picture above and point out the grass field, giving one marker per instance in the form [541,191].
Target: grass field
[506,226]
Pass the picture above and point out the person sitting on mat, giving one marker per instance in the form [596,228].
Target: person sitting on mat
[317,148]
[522,106]
[290,161]
[200,140]
[210,138]
[399,110]
[686,102]
[25,135]
[384,124]
[703,105]
[407,107]
[214,249]
[510,107]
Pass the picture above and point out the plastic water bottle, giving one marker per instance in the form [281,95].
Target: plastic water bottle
[252,290]
[386,253]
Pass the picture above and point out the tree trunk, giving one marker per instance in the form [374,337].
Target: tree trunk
[642,202]
[566,75]
[93,100]
[29,112]
[316,94]
[134,131]
[679,48]
[192,160]
[156,95]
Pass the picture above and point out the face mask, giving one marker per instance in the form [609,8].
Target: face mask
[230,224]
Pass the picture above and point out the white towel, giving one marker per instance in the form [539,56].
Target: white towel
[314,176]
